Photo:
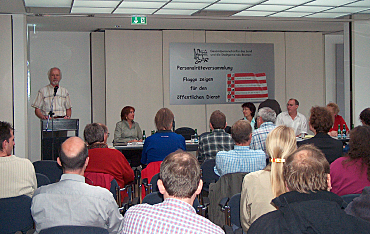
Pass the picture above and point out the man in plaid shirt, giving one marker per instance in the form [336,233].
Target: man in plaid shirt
[217,140]
[266,123]
[179,183]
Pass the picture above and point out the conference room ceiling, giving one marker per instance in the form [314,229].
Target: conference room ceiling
[327,16]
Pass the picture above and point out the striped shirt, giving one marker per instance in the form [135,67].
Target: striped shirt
[45,97]
[241,159]
[17,177]
[171,216]
[259,136]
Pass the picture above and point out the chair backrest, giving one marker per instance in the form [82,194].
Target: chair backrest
[208,174]
[153,182]
[15,214]
[74,230]
[42,180]
[156,197]
[234,204]
[226,186]
[186,132]
[148,172]
[102,180]
[50,168]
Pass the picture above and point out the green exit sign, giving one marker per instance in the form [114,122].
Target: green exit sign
[138,20]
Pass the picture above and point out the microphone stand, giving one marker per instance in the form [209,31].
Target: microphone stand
[52,126]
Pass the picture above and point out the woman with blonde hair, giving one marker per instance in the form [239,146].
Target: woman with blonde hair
[260,187]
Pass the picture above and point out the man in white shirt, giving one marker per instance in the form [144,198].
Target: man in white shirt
[292,118]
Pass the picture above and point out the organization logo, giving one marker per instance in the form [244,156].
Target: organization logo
[200,56]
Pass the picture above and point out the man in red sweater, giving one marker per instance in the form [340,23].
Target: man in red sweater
[103,159]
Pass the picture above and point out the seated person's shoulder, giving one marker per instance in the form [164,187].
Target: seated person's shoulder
[258,151]
[255,175]
[267,223]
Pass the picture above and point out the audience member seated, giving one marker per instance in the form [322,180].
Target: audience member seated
[338,120]
[217,140]
[260,187]
[105,160]
[292,118]
[127,131]
[365,117]
[350,174]
[71,201]
[179,183]
[266,123]
[164,141]
[320,123]
[17,175]
[308,207]
[360,206]
[241,158]
[249,111]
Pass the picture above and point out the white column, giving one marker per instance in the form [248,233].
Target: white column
[20,84]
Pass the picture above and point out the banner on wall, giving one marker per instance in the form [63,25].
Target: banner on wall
[220,73]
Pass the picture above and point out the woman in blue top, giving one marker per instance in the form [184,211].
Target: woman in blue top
[164,141]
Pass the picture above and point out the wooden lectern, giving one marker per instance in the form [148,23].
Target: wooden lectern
[53,134]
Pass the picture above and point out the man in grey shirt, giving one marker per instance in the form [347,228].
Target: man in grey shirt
[71,201]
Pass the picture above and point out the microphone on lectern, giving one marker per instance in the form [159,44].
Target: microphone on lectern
[55,90]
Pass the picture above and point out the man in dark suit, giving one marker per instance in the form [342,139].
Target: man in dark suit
[320,123]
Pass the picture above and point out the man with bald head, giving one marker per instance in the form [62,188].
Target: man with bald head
[71,201]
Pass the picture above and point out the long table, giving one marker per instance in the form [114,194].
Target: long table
[343,140]
[124,146]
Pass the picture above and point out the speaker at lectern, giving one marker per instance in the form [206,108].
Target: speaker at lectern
[53,133]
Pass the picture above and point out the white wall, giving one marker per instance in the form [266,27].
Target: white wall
[305,70]
[70,51]
[360,68]
[133,76]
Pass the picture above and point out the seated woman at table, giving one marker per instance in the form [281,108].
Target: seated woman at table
[127,130]
[260,187]
[338,120]
[249,109]
[320,123]
[164,141]
[350,174]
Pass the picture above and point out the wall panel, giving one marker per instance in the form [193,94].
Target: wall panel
[305,70]
[133,76]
